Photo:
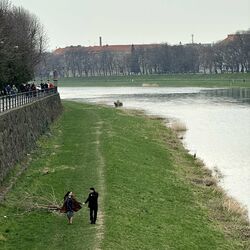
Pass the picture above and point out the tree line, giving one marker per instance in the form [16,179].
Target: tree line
[22,44]
[229,55]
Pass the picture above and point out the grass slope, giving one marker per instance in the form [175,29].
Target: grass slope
[70,156]
[171,80]
[151,200]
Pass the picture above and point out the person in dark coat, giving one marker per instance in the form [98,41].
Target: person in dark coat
[22,88]
[70,206]
[92,201]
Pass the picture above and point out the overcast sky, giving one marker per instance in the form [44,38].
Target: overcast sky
[81,22]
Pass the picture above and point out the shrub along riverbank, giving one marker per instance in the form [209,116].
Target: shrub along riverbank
[153,195]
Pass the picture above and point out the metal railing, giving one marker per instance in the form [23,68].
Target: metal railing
[11,101]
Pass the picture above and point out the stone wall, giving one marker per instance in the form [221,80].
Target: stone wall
[21,127]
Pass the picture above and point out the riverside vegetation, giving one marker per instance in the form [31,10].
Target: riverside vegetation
[153,194]
[169,80]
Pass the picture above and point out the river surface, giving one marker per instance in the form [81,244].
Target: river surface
[217,121]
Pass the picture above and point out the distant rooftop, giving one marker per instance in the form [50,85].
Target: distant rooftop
[126,49]
[233,37]
[111,48]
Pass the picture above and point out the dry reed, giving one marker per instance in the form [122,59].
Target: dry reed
[234,207]
[178,126]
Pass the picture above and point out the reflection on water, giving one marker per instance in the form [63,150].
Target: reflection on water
[217,120]
[235,94]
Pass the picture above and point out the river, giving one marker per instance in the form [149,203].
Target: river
[217,121]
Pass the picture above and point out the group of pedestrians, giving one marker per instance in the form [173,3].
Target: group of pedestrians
[71,205]
[46,85]
[11,89]
[28,87]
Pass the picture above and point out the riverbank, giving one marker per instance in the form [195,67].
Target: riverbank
[153,195]
[169,80]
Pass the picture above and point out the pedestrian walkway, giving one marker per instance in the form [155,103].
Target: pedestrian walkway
[8,102]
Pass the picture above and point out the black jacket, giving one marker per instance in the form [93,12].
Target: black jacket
[92,200]
[69,205]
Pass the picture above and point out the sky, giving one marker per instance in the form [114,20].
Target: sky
[82,22]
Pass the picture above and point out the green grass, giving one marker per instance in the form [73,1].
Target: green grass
[70,156]
[150,199]
[171,80]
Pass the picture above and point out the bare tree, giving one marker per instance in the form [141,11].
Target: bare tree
[22,44]
[229,55]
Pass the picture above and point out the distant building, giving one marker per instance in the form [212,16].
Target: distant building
[234,37]
[124,49]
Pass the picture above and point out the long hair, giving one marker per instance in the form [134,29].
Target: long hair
[66,195]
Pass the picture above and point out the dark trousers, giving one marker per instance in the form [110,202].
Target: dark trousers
[93,214]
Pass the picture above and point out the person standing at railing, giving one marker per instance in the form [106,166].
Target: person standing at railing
[14,90]
[51,85]
[4,91]
[33,89]
[22,88]
[42,85]
[27,89]
[8,90]
[46,86]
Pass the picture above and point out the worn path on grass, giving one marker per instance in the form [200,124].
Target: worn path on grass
[67,158]
[101,187]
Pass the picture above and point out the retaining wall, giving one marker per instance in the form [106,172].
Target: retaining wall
[21,127]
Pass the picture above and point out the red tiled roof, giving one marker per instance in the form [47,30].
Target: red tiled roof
[111,48]
[233,37]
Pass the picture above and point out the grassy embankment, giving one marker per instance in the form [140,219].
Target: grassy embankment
[174,80]
[152,193]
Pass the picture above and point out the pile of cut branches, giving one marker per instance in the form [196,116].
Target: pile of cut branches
[47,201]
